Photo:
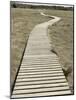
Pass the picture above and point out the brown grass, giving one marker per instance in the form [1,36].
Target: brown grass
[61,34]
[22,22]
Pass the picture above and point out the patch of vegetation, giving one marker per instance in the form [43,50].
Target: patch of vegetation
[61,34]
[22,22]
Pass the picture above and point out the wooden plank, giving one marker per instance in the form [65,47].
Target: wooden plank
[40,65]
[40,75]
[40,72]
[40,78]
[41,82]
[55,93]
[28,91]
[33,68]
[41,86]
[40,61]
[40,56]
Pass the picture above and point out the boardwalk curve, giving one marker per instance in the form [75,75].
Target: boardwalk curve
[40,73]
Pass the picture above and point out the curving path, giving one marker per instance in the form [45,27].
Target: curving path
[40,73]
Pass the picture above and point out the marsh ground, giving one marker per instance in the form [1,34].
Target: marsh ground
[61,34]
[23,21]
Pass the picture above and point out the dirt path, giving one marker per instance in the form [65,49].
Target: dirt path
[40,73]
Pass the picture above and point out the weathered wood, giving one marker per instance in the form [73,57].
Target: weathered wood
[41,86]
[29,91]
[42,94]
[40,75]
[41,82]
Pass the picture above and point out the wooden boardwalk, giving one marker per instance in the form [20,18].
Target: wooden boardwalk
[40,73]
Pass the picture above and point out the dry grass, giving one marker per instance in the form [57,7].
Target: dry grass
[61,34]
[22,22]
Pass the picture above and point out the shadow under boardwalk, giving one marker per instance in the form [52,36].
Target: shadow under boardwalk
[40,73]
